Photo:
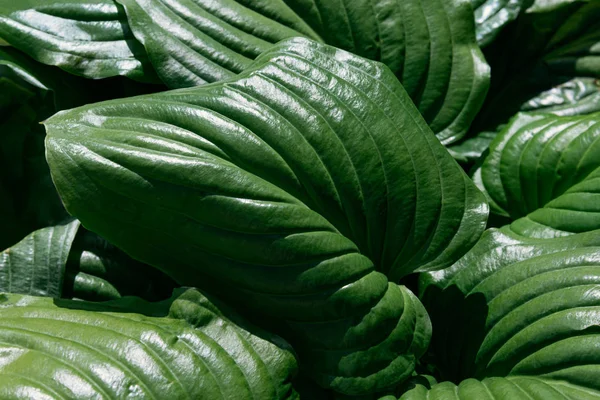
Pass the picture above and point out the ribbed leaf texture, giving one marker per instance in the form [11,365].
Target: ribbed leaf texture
[545,169]
[430,46]
[68,261]
[516,306]
[85,37]
[192,42]
[511,388]
[579,96]
[287,189]
[36,265]
[54,349]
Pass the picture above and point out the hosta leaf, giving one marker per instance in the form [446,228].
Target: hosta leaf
[430,46]
[194,42]
[59,349]
[492,15]
[98,271]
[511,388]
[84,37]
[561,44]
[579,96]
[546,169]
[287,188]
[519,306]
[68,261]
[36,265]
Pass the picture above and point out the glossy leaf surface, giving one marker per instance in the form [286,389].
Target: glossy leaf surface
[492,15]
[430,46]
[289,187]
[517,306]
[546,169]
[84,37]
[579,96]
[60,349]
[36,265]
[193,42]
[511,388]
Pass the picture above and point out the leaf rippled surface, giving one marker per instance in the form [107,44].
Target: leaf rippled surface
[53,349]
[295,188]
[544,172]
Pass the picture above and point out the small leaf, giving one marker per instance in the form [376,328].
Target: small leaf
[491,16]
[517,306]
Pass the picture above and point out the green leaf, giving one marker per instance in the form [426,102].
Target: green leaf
[511,388]
[517,306]
[36,264]
[59,349]
[193,42]
[491,16]
[544,172]
[286,189]
[98,271]
[68,261]
[84,37]
[579,96]
[431,47]
[561,45]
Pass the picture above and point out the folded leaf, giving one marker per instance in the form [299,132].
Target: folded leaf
[545,169]
[68,261]
[84,37]
[430,46]
[36,265]
[59,349]
[517,306]
[511,388]
[286,189]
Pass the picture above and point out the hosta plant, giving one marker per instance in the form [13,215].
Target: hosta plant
[235,199]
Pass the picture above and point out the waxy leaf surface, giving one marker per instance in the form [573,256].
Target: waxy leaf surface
[293,189]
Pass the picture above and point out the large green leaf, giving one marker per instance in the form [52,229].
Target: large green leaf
[511,388]
[85,37]
[545,169]
[517,306]
[201,349]
[286,189]
[430,46]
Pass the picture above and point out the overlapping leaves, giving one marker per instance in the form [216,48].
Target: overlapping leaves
[59,349]
[545,169]
[521,308]
[327,151]
[430,46]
